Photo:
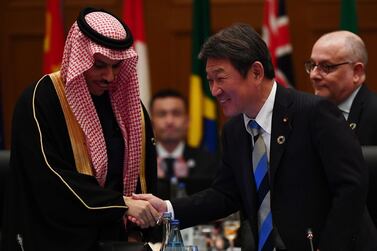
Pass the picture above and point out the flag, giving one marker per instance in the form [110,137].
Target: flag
[275,32]
[54,37]
[348,16]
[134,18]
[202,109]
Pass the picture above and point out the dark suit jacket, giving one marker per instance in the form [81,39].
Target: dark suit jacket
[204,162]
[200,176]
[318,178]
[363,116]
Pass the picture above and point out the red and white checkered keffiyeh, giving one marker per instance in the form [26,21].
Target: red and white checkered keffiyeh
[124,94]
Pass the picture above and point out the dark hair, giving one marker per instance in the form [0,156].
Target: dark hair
[242,45]
[167,93]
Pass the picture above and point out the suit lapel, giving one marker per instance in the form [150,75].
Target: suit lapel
[244,150]
[357,108]
[186,153]
[246,177]
[281,129]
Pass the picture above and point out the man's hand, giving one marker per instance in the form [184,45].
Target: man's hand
[143,213]
[156,202]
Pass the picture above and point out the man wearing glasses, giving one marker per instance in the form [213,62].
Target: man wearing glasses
[337,71]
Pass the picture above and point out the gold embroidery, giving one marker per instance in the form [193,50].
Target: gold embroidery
[76,135]
[48,164]
[143,182]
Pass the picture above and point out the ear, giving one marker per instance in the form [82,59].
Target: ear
[358,73]
[256,71]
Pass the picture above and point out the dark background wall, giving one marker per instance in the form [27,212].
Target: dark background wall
[168,31]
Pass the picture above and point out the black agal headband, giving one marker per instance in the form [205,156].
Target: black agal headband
[99,38]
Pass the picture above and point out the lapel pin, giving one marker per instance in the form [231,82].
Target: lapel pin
[285,119]
[280,140]
[353,126]
[190,163]
[153,141]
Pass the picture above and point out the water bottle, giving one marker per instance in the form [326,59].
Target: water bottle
[181,190]
[166,221]
[175,241]
[199,238]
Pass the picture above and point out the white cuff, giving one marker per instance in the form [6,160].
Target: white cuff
[169,207]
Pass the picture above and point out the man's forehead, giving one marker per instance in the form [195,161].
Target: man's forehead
[169,103]
[103,59]
[169,100]
[328,51]
[216,66]
[327,45]
[215,69]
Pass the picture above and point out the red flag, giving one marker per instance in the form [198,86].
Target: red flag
[54,36]
[134,18]
[275,32]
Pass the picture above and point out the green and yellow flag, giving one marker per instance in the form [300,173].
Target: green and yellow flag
[202,109]
[348,15]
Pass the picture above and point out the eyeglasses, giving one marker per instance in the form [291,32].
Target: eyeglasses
[322,67]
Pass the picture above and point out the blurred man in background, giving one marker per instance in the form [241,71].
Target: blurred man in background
[175,159]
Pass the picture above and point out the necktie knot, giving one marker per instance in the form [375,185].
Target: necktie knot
[254,127]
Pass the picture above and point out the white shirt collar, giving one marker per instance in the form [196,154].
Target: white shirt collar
[345,106]
[264,116]
[177,153]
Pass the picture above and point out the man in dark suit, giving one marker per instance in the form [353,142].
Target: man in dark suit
[317,177]
[337,70]
[193,166]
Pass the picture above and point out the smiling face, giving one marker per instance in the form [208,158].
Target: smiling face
[101,74]
[235,93]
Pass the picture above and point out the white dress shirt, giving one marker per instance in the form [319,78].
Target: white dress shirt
[264,119]
[345,106]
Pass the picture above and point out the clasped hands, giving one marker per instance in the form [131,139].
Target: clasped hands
[144,209]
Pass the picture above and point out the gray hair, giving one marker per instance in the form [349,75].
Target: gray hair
[357,48]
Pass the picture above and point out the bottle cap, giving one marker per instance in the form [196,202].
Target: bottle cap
[166,215]
[175,222]
[181,185]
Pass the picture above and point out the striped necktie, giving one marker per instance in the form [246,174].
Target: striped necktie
[260,168]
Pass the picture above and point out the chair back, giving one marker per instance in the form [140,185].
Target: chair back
[370,157]
[4,168]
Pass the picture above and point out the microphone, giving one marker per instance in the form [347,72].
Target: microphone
[20,241]
[310,236]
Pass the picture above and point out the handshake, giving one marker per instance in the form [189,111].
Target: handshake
[145,210]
